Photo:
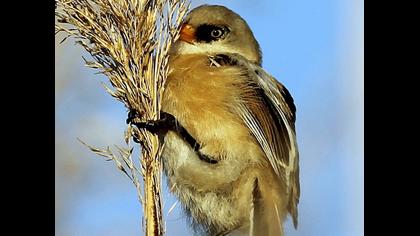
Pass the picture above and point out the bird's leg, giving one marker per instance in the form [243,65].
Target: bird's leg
[206,158]
[165,123]
[182,132]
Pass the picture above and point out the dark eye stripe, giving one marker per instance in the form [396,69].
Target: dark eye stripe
[207,33]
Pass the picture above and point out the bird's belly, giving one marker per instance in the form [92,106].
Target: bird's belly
[183,167]
[205,190]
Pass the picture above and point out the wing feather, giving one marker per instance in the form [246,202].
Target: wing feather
[268,110]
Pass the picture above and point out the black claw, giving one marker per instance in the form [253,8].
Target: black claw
[166,122]
[132,114]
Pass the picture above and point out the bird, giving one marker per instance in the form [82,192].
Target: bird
[230,153]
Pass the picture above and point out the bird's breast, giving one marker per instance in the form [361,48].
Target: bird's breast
[201,98]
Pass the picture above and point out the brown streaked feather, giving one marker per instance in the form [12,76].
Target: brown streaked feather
[264,217]
[268,110]
[283,108]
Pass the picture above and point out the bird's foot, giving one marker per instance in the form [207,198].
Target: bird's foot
[132,114]
[166,122]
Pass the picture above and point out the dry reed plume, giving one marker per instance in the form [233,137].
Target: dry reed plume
[129,42]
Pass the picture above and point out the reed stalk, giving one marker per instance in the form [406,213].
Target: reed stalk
[128,41]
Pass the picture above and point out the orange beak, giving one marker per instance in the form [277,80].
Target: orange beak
[187,33]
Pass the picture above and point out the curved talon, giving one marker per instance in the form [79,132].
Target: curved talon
[132,114]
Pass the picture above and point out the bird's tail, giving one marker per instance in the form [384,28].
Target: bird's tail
[266,216]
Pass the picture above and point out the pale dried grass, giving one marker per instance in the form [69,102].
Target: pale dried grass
[128,41]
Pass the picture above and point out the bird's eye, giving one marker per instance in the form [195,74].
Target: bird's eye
[209,33]
[216,33]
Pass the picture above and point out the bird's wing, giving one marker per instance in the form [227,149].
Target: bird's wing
[268,110]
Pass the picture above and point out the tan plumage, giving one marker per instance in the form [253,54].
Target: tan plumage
[241,117]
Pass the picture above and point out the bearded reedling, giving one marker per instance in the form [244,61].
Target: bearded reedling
[230,150]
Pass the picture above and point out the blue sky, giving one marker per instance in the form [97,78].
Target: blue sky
[315,48]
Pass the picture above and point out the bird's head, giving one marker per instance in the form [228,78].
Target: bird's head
[212,29]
